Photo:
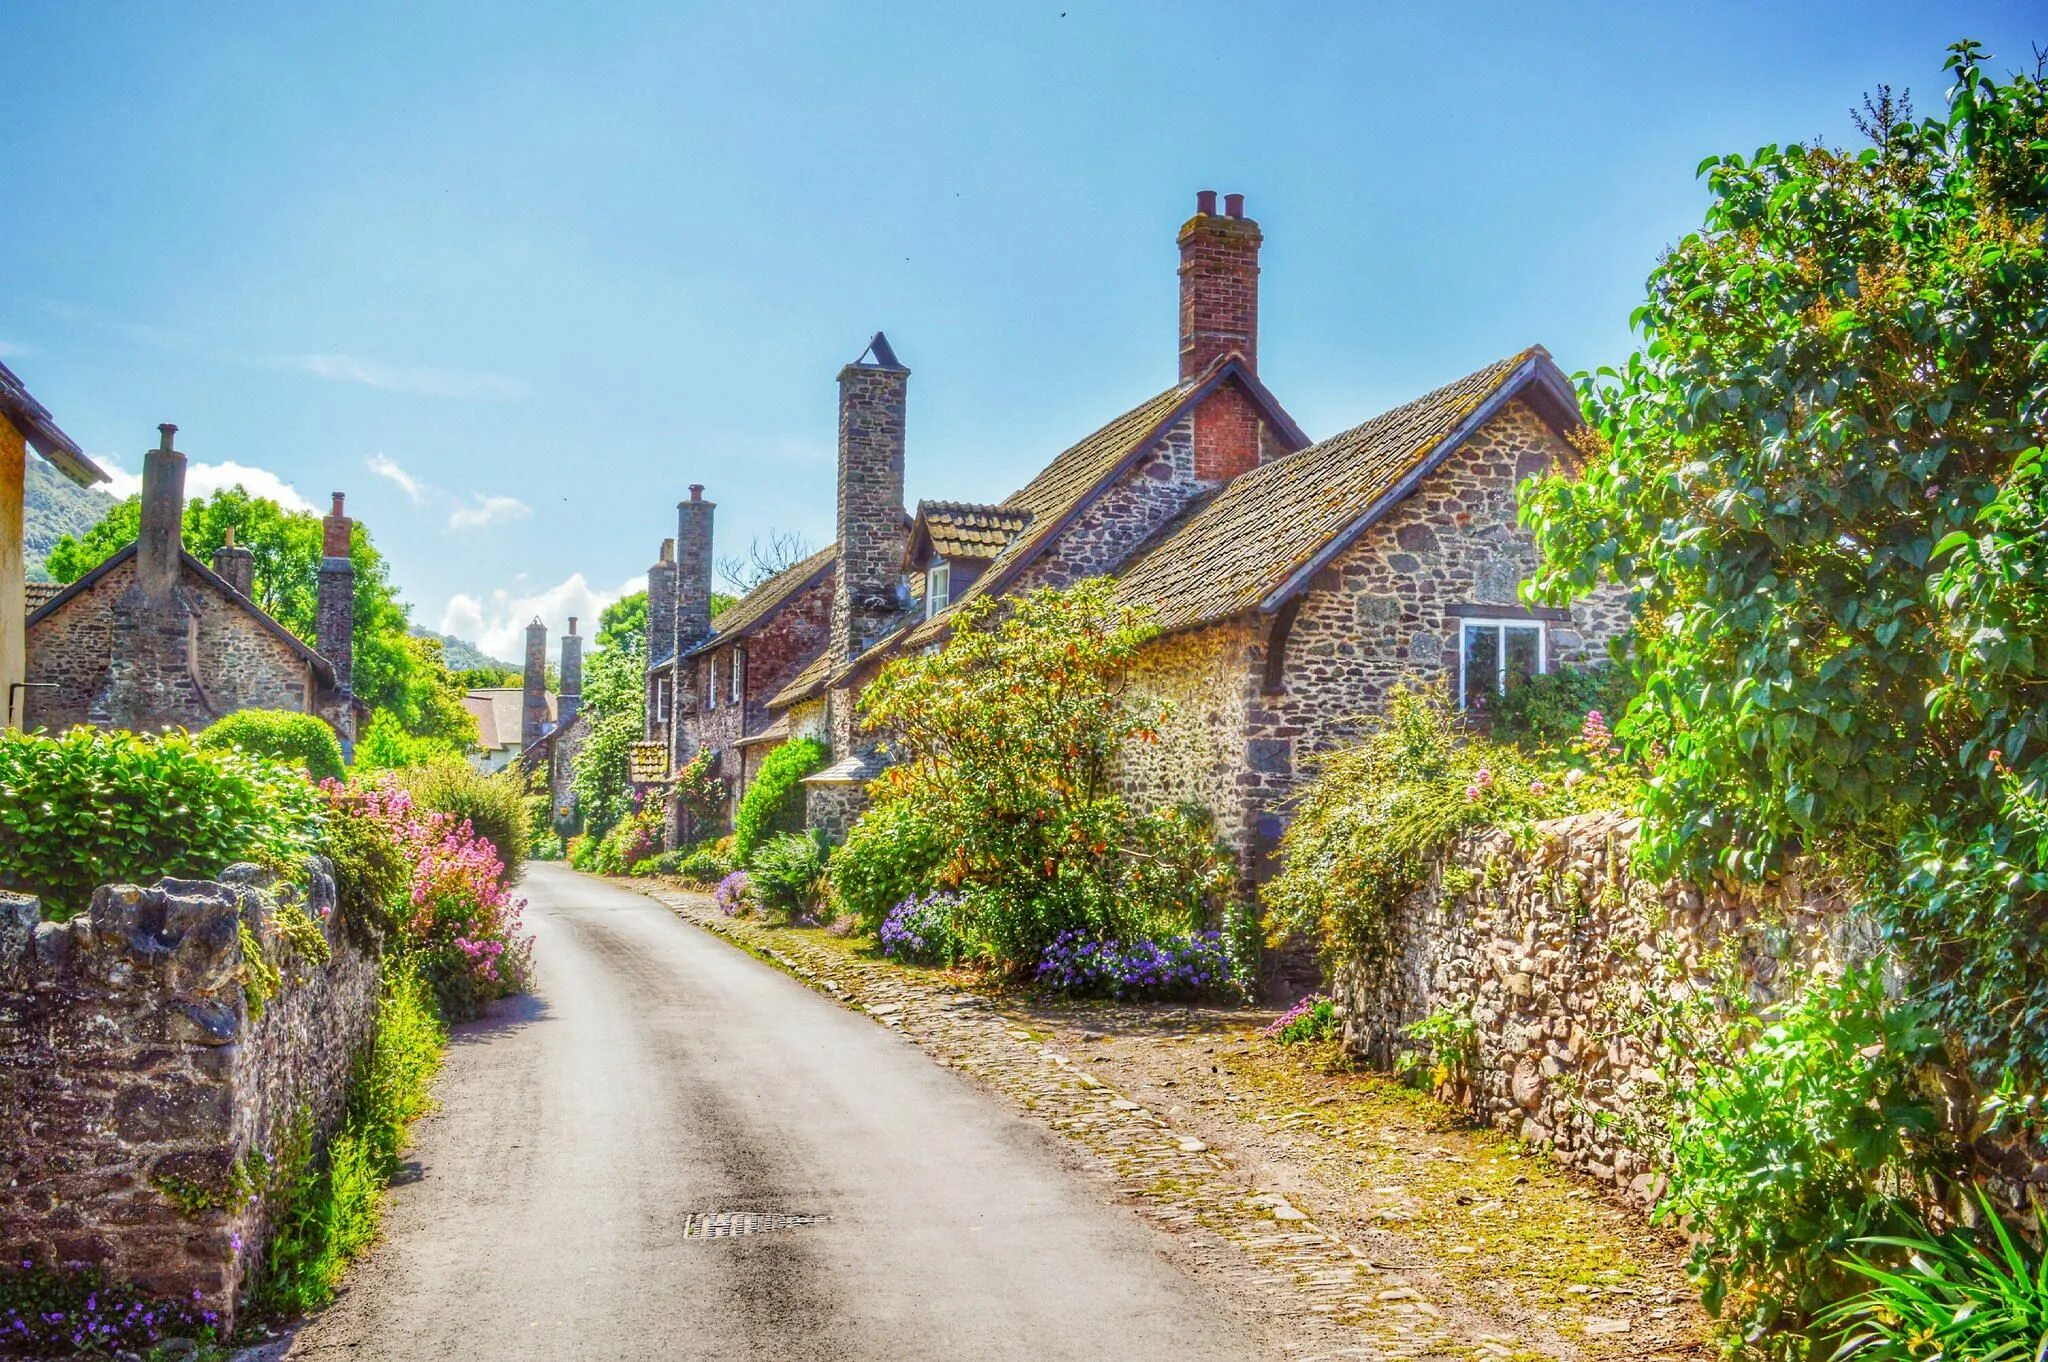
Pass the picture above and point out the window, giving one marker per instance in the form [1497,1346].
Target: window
[739,668]
[938,587]
[1493,654]
[710,682]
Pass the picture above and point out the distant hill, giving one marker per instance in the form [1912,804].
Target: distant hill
[460,654]
[54,507]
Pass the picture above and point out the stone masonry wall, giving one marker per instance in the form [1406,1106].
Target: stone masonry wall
[236,662]
[1153,491]
[1554,951]
[145,1106]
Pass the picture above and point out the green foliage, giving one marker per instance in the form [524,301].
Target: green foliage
[1821,478]
[1312,1019]
[302,740]
[384,745]
[699,791]
[894,851]
[1795,1134]
[1365,828]
[92,808]
[702,864]
[788,873]
[54,506]
[1449,1041]
[632,840]
[258,974]
[1548,709]
[493,805]
[773,804]
[614,711]
[622,625]
[371,876]
[328,1206]
[1981,1295]
[581,852]
[1004,740]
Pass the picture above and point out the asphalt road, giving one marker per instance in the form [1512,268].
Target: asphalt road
[657,1072]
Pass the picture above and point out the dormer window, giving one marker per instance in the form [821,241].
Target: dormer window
[938,587]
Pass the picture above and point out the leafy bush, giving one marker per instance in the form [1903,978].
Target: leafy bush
[1547,710]
[700,792]
[492,805]
[460,926]
[372,879]
[302,740]
[1822,479]
[581,852]
[734,894]
[1794,1135]
[328,1207]
[701,864]
[894,852]
[632,840]
[1313,1018]
[771,804]
[1193,966]
[1981,1295]
[94,807]
[1365,827]
[385,745]
[1449,1043]
[925,930]
[788,874]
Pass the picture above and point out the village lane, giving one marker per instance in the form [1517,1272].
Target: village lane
[658,1074]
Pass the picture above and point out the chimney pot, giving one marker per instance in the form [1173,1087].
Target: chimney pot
[696,491]
[164,433]
[572,624]
[1233,205]
[1205,200]
[230,536]
[668,550]
[337,505]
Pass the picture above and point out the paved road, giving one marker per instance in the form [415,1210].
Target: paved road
[658,1072]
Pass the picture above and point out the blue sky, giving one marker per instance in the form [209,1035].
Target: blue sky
[514,275]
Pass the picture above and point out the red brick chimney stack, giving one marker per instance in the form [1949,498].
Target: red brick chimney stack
[1219,285]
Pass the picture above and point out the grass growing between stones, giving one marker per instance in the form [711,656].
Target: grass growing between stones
[332,1202]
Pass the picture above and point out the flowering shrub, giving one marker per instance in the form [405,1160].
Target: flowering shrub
[47,1311]
[700,792]
[458,921]
[895,851]
[1313,1018]
[1196,965]
[635,838]
[925,930]
[734,894]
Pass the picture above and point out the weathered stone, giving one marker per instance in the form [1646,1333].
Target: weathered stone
[19,914]
[172,1109]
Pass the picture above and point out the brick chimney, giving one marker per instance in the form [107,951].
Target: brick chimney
[693,568]
[534,718]
[1219,285]
[235,565]
[661,605]
[571,698]
[160,542]
[868,585]
[334,626]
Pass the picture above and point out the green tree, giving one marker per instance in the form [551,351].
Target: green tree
[1821,478]
[623,623]
[614,706]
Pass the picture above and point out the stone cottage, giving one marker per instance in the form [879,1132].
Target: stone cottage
[153,638]
[1294,581]
[25,424]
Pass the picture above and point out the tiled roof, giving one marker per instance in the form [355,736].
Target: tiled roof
[21,410]
[806,684]
[753,609]
[507,713]
[775,731]
[961,529]
[1265,527]
[858,769]
[39,594]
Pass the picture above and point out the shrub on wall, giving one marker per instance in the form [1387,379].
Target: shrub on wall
[894,852]
[771,804]
[93,807]
[303,740]
[1547,710]
[788,873]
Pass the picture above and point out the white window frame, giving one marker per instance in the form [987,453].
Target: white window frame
[1500,625]
[938,587]
[739,668]
[711,681]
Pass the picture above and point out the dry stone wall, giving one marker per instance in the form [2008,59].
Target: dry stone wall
[1556,948]
[147,1109]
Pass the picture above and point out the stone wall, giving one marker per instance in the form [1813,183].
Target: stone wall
[1554,950]
[221,658]
[145,1105]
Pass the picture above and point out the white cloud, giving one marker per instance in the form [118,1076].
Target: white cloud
[8,349]
[428,381]
[385,467]
[204,479]
[486,510]
[497,624]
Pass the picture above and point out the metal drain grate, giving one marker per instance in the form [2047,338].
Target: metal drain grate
[727,1224]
